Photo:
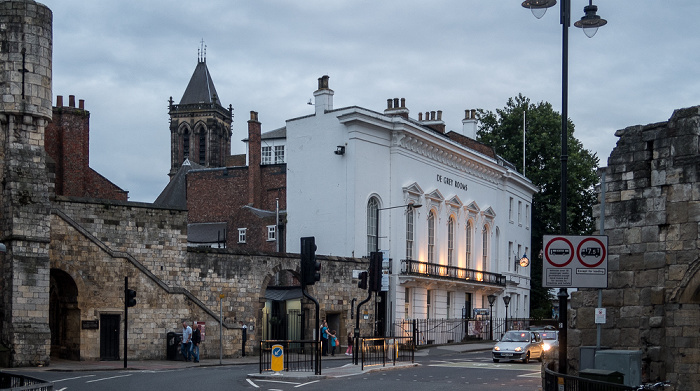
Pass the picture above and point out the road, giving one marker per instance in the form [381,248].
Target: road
[437,371]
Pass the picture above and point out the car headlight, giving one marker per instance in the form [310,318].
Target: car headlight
[519,349]
[547,346]
[497,349]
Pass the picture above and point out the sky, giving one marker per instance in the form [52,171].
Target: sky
[126,58]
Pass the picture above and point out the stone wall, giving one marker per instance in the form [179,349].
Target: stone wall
[652,218]
[99,243]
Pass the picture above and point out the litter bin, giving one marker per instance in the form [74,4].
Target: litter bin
[173,345]
[603,375]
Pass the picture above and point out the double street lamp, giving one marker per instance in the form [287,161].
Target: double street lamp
[589,23]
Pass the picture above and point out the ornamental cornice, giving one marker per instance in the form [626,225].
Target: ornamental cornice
[433,152]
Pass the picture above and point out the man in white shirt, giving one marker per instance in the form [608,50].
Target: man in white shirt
[186,341]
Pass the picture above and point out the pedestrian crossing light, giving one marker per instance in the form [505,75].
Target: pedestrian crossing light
[375,272]
[310,267]
[130,297]
[362,284]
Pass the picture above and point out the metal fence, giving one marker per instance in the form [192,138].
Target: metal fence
[444,331]
[554,381]
[19,382]
[299,356]
[380,351]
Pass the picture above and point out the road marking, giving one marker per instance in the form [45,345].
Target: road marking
[253,384]
[510,367]
[106,378]
[279,381]
[307,383]
[73,378]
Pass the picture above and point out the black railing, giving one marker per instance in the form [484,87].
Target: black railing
[434,270]
[554,381]
[19,382]
[299,356]
[380,351]
[443,331]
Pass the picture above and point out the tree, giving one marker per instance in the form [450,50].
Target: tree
[503,131]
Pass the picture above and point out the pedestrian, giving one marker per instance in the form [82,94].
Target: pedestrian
[324,338]
[334,342]
[196,340]
[186,344]
[348,351]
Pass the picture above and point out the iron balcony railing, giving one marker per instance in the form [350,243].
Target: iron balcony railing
[412,267]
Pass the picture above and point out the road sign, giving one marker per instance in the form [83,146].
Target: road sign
[575,262]
[277,360]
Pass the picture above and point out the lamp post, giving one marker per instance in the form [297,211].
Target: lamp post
[590,23]
[409,207]
[492,299]
[506,301]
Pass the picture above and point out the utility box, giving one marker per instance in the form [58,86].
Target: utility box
[603,375]
[587,356]
[627,362]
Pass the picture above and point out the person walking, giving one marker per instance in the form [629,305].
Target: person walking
[334,341]
[348,351]
[196,340]
[186,345]
[324,338]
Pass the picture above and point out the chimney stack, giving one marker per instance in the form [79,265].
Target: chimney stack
[469,124]
[394,108]
[324,96]
[433,120]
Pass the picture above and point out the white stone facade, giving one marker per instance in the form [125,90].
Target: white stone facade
[341,161]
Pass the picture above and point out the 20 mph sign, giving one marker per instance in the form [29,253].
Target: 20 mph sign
[575,262]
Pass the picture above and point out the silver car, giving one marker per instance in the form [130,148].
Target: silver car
[519,345]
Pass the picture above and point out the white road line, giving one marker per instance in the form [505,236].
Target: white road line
[303,384]
[253,384]
[279,381]
[106,378]
[61,389]
[72,378]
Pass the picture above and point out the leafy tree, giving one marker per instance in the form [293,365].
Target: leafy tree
[503,131]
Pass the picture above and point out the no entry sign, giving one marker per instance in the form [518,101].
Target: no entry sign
[575,262]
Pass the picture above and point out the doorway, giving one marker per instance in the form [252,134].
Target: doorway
[109,337]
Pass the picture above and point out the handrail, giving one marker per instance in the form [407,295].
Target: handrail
[435,270]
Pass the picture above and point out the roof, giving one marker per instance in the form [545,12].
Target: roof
[206,232]
[201,87]
[175,193]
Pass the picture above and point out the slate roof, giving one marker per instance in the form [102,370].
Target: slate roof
[206,233]
[175,193]
[201,87]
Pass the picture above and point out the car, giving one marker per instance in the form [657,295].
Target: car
[550,339]
[519,345]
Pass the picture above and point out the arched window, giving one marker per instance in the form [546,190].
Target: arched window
[372,221]
[469,245]
[431,237]
[451,241]
[186,144]
[202,147]
[410,233]
[485,247]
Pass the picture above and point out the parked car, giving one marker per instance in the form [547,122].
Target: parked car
[519,345]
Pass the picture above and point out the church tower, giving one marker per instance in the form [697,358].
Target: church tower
[200,128]
[25,216]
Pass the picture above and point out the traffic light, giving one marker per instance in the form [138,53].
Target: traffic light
[363,281]
[310,267]
[375,272]
[130,297]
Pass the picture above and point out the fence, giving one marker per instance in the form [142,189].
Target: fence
[380,351]
[299,356]
[559,382]
[444,331]
[19,382]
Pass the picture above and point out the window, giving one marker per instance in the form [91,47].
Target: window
[469,244]
[266,155]
[449,305]
[510,251]
[427,304]
[467,313]
[202,147]
[520,213]
[407,303]
[186,144]
[450,241]
[271,230]
[527,216]
[431,237]
[372,221]
[410,232]
[241,235]
[279,154]
[510,210]
[485,248]
[517,257]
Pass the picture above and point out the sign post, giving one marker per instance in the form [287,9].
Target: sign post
[575,262]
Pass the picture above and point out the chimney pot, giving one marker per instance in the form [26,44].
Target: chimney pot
[71,100]
[473,113]
[432,115]
[420,116]
[81,104]
[439,115]
[388,104]
[59,101]
[253,115]
[403,103]
[396,103]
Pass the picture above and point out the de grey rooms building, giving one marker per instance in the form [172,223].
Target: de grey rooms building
[351,172]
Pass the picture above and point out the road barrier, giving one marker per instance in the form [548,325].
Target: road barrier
[299,356]
[24,383]
[380,351]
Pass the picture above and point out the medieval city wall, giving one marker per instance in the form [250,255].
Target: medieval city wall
[652,218]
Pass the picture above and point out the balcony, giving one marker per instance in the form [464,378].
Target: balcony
[410,267]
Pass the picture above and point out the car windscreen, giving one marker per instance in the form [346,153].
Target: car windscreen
[514,336]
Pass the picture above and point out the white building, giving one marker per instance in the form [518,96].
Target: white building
[345,166]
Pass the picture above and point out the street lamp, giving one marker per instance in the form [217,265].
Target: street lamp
[523,261]
[590,23]
[492,299]
[506,300]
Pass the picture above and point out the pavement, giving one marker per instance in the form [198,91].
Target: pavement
[338,366]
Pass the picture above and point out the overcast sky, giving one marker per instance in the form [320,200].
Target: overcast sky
[126,58]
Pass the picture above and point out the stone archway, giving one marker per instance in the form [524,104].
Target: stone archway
[64,316]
